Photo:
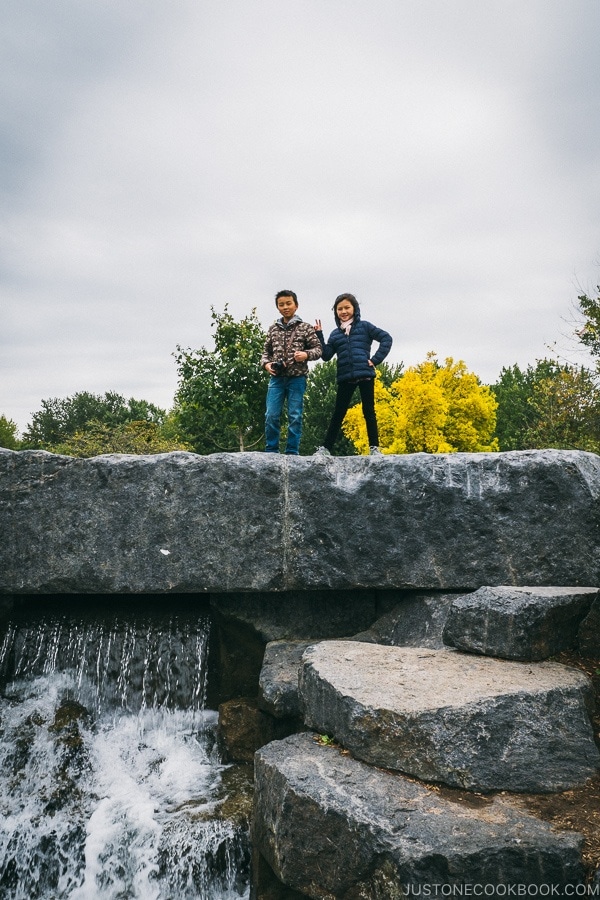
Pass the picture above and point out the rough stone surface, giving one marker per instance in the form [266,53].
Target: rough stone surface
[243,729]
[589,632]
[152,524]
[299,615]
[417,621]
[278,685]
[238,652]
[526,623]
[329,826]
[469,721]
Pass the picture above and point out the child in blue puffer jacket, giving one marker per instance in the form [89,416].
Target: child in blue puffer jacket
[352,340]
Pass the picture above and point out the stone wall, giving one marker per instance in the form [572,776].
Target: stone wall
[249,522]
[374,550]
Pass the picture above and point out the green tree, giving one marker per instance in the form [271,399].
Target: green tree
[8,434]
[389,372]
[589,333]
[220,399]
[513,391]
[567,411]
[60,419]
[139,437]
[550,404]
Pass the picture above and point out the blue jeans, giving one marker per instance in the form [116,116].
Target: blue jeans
[280,387]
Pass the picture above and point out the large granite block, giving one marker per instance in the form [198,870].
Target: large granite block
[331,826]
[469,721]
[526,623]
[264,522]
[139,524]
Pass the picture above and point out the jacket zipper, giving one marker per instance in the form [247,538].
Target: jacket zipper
[347,336]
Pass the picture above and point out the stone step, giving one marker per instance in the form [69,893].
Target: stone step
[331,826]
[525,623]
[472,722]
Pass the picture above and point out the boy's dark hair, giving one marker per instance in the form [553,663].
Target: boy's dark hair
[351,299]
[286,294]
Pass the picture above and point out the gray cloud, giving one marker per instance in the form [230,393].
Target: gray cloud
[438,160]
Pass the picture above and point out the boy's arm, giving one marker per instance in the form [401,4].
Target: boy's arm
[267,355]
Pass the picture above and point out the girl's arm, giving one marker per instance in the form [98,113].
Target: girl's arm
[383,339]
[329,350]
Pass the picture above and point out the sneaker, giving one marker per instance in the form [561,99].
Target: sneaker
[375,451]
[321,451]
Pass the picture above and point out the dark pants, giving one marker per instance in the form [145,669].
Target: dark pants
[345,389]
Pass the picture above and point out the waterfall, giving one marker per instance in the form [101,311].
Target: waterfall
[110,780]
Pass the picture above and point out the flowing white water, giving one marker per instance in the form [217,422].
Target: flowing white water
[110,785]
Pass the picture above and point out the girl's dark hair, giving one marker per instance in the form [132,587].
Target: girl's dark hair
[286,294]
[351,299]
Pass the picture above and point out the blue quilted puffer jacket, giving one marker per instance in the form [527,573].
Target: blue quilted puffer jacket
[354,350]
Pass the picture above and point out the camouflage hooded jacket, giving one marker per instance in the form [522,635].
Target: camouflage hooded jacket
[283,341]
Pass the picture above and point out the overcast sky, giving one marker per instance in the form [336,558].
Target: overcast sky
[438,158]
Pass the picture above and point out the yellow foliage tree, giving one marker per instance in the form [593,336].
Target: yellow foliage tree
[430,408]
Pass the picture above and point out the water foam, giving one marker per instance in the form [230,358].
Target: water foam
[101,800]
